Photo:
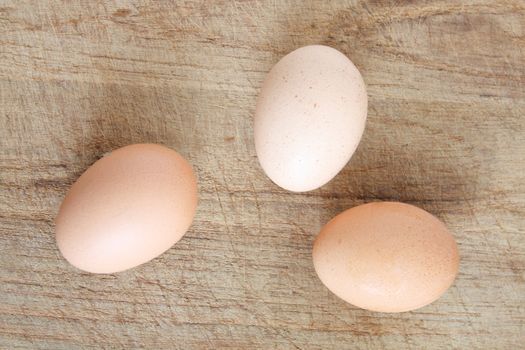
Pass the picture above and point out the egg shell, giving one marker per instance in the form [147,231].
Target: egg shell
[386,256]
[310,115]
[126,209]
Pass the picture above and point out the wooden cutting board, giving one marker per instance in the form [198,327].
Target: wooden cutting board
[446,132]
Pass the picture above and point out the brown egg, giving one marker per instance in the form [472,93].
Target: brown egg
[126,209]
[386,256]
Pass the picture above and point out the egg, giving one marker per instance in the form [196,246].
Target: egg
[309,118]
[126,209]
[386,256]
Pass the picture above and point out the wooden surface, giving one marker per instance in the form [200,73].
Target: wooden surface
[446,132]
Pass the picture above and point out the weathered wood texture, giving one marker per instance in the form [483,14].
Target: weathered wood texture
[446,131]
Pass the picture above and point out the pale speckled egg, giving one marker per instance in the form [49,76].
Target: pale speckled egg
[126,209]
[310,115]
[386,257]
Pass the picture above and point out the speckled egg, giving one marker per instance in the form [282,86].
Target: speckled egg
[386,256]
[309,118]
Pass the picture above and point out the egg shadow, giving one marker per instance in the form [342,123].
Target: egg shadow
[411,151]
[390,168]
[118,115]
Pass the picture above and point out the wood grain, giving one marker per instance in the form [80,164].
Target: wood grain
[446,131]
